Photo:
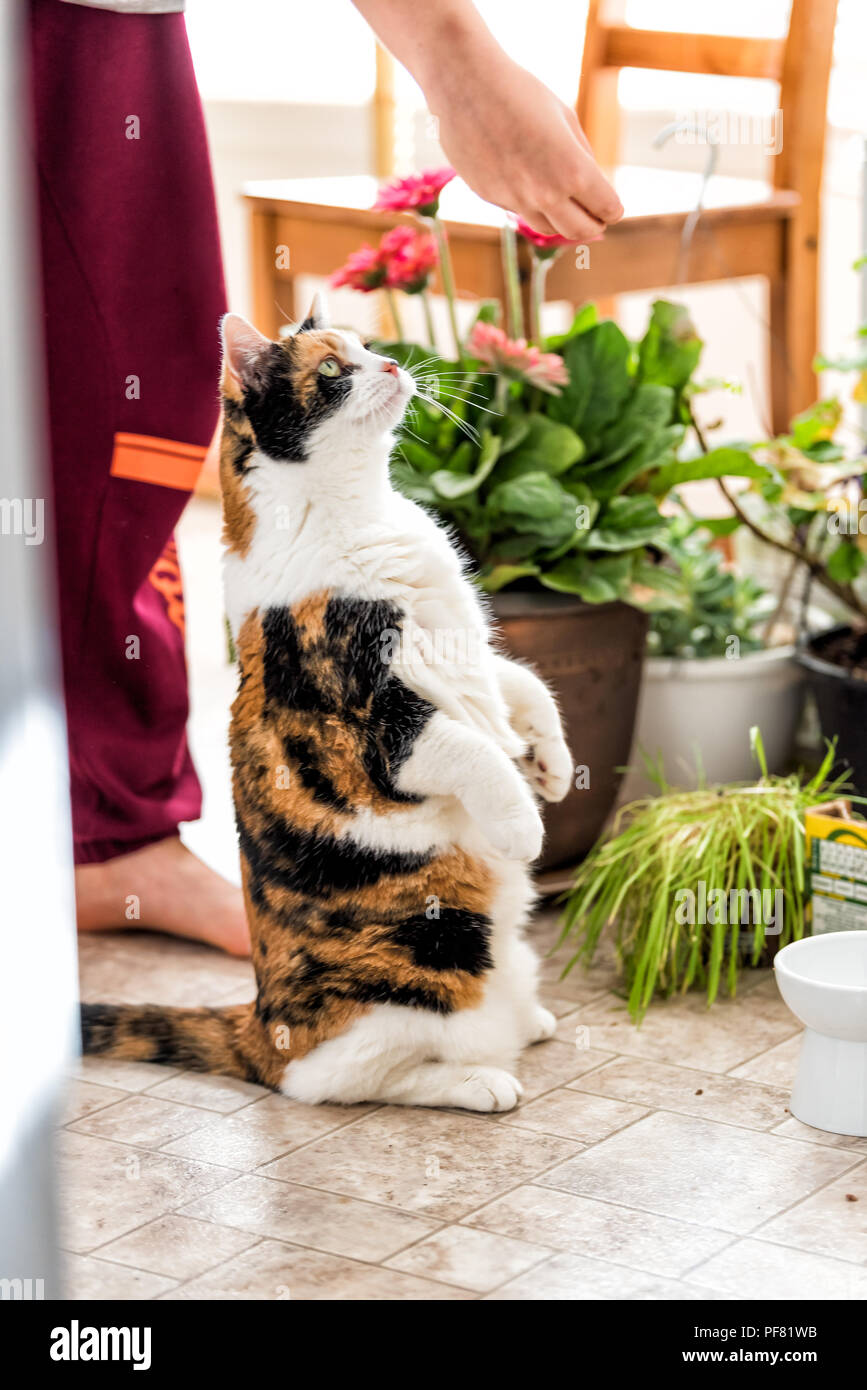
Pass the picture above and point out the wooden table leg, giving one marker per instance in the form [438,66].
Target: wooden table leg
[272,282]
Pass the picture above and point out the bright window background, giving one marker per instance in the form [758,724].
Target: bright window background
[291,51]
[281,50]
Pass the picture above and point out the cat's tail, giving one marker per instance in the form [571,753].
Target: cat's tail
[210,1040]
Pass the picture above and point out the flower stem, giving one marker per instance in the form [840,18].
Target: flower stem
[428,318]
[537,296]
[448,280]
[513,283]
[393,309]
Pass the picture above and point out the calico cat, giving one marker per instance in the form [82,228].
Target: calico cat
[385,761]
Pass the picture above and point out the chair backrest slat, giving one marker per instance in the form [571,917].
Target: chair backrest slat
[800,63]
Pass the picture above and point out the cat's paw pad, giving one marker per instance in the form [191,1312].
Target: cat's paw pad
[544,1025]
[518,836]
[548,767]
[488,1089]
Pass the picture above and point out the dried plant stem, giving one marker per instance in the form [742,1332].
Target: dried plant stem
[814,563]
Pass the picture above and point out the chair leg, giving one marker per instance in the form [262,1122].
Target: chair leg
[779,354]
[802,260]
[794,322]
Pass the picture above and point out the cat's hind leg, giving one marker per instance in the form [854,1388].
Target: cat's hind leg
[451,1084]
[333,1075]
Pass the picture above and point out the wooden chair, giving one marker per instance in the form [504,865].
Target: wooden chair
[747,228]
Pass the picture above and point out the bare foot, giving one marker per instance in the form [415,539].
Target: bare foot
[165,888]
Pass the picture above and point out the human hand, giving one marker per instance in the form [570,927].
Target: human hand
[517,145]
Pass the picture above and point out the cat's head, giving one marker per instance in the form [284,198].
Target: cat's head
[315,390]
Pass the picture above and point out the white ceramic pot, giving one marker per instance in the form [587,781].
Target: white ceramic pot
[823,979]
[710,705]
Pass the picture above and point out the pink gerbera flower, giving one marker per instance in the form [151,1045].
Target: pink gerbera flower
[419,193]
[517,357]
[545,246]
[411,257]
[403,260]
[365,270]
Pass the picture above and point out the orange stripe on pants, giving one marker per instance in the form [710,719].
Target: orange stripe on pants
[166,462]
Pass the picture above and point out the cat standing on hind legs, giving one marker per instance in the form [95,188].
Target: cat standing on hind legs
[385,759]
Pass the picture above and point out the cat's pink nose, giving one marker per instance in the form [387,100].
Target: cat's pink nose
[391,367]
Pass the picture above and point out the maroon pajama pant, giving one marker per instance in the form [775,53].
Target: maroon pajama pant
[132,295]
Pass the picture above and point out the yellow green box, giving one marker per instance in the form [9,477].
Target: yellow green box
[837,859]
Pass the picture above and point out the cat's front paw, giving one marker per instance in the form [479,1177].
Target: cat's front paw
[517,835]
[487,1089]
[547,765]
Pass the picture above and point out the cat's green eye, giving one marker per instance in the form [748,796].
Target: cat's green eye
[329,367]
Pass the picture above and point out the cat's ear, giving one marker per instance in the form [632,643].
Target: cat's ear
[317,316]
[245,350]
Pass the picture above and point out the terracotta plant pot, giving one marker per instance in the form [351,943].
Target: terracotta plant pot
[841,699]
[591,655]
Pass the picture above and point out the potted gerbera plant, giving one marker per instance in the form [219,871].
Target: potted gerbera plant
[548,456]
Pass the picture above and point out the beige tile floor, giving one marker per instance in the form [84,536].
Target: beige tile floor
[659,1163]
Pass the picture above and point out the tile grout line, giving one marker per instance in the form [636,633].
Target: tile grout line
[755,1057]
[376,1265]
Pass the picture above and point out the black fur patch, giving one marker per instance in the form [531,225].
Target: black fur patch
[348,673]
[456,940]
[281,422]
[302,755]
[288,681]
[318,864]
[98,1023]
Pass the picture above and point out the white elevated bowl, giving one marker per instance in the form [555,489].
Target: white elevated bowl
[823,979]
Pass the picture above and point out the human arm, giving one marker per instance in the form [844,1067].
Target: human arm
[510,138]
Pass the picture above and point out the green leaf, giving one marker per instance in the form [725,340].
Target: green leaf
[599,382]
[452,485]
[461,458]
[816,425]
[412,484]
[515,428]
[489,311]
[499,576]
[845,563]
[596,581]
[720,525]
[825,451]
[516,549]
[627,523]
[650,409]
[534,495]
[670,349]
[420,456]
[586,317]
[547,445]
[719,463]
[657,451]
